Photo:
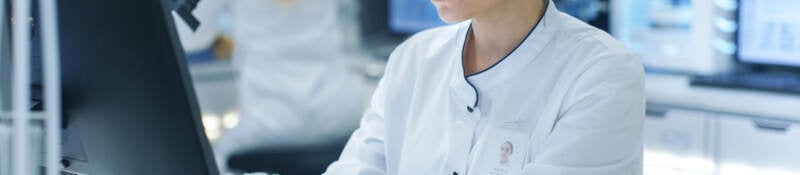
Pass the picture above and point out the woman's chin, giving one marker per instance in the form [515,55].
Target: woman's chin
[444,3]
[451,11]
[452,19]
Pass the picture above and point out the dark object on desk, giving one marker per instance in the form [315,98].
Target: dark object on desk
[774,82]
[128,101]
[295,161]
[184,9]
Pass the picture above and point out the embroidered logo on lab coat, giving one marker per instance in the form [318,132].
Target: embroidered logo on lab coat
[506,149]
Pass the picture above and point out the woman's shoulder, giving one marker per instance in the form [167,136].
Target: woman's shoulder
[588,44]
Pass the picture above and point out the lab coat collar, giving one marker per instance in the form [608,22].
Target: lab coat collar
[466,87]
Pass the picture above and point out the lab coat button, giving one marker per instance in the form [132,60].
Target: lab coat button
[470,109]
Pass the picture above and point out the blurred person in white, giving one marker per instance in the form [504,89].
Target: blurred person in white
[295,88]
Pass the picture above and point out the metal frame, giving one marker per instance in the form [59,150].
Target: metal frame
[20,114]
[52,79]
[20,89]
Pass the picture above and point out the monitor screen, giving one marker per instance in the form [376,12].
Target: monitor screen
[769,32]
[412,16]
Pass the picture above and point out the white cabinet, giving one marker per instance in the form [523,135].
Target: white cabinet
[677,142]
[736,145]
[695,142]
[678,132]
[757,146]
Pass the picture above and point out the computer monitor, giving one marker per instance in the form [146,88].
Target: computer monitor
[769,32]
[128,101]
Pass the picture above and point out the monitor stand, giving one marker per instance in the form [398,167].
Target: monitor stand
[73,160]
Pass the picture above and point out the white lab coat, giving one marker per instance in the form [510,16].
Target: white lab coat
[294,80]
[569,98]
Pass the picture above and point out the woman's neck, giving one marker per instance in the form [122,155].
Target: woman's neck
[498,30]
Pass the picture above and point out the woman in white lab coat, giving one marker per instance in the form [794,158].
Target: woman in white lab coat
[514,75]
